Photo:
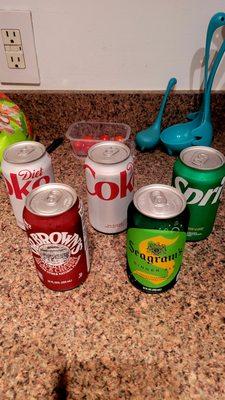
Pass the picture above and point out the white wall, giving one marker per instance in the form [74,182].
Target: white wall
[120,44]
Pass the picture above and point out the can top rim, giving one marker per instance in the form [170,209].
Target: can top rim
[205,149]
[8,150]
[164,188]
[108,160]
[48,187]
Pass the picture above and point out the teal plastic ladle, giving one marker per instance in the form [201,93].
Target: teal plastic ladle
[204,132]
[215,22]
[147,139]
[175,139]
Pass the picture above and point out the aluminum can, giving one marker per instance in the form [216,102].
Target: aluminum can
[157,226]
[110,183]
[25,166]
[53,216]
[199,173]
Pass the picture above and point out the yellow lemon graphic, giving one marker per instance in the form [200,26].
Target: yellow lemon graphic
[146,248]
[152,278]
[160,240]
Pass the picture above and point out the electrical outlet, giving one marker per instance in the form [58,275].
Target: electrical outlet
[15,59]
[18,59]
[11,36]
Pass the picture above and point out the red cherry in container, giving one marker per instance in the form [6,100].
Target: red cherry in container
[104,137]
[119,138]
[77,146]
[87,137]
[87,142]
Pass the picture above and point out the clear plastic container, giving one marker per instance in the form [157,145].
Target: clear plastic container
[84,134]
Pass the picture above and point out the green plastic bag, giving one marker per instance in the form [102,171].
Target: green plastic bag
[14,126]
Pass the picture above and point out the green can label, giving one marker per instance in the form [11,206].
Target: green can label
[197,196]
[154,256]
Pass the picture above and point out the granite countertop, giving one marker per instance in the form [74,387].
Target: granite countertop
[106,340]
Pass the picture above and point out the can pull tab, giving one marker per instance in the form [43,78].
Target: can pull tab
[25,151]
[158,198]
[199,159]
[53,197]
[108,153]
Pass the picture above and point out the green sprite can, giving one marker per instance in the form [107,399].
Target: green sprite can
[157,226]
[199,173]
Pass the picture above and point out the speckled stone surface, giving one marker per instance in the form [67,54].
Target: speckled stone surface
[53,112]
[106,340]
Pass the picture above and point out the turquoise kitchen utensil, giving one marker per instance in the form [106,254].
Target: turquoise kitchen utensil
[176,139]
[150,137]
[203,134]
[178,136]
[215,22]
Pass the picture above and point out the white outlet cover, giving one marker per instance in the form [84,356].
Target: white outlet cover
[21,20]
[15,59]
[11,36]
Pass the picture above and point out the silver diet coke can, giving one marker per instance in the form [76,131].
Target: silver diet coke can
[25,166]
[110,183]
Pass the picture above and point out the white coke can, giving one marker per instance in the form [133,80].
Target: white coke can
[25,166]
[110,184]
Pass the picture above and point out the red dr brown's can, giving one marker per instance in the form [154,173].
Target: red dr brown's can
[110,183]
[25,166]
[53,217]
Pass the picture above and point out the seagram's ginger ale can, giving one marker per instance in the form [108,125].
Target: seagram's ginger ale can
[157,226]
[199,173]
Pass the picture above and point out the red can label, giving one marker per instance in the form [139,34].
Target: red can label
[120,189]
[60,258]
[21,184]
[21,180]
